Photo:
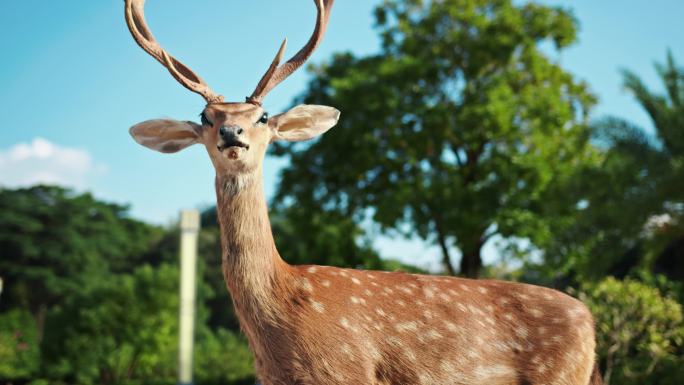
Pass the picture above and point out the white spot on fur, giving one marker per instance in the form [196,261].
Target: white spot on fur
[427,314]
[521,332]
[406,290]
[373,351]
[432,335]
[325,283]
[345,323]
[388,290]
[444,297]
[410,354]
[368,293]
[494,371]
[475,310]
[394,341]
[536,313]
[357,300]
[451,326]
[500,346]
[401,303]
[406,326]
[317,306]
[447,367]
[576,311]
[482,290]
[305,284]
[356,281]
[523,297]
[344,273]
[347,349]
[312,269]
[429,292]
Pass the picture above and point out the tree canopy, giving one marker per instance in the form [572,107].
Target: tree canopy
[632,212]
[460,129]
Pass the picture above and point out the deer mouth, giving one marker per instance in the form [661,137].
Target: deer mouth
[231,144]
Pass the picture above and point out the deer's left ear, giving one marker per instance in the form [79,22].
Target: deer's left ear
[303,122]
[166,135]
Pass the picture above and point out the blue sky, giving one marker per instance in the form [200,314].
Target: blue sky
[72,81]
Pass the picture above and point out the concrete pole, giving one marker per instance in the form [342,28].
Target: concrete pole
[189,225]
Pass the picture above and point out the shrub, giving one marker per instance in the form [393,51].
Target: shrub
[639,331]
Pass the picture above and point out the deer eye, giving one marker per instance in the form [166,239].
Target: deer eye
[264,118]
[205,121]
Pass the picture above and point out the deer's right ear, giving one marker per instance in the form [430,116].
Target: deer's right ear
[166,135]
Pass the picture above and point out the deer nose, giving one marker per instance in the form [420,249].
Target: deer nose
[230,132]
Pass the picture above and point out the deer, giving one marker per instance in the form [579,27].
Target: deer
[324,325]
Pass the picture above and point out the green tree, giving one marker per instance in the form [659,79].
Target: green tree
[221,357]
[19,351]
[633,202]
[53,242]
[118,330]
[639,332]
[460,129]
[321,237]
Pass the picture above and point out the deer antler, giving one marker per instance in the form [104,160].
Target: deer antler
[275,74]
[135,18]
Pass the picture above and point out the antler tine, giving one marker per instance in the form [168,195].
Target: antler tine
[135,18]
[275,75]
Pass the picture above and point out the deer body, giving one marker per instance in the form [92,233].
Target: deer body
[325,325]
[317,325]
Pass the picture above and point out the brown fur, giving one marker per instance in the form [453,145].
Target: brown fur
[325,325]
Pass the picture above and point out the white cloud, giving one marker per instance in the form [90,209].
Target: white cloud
[41,161]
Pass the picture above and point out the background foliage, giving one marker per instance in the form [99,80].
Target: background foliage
[460,129]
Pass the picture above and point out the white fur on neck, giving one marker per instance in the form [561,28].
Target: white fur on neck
[235,184]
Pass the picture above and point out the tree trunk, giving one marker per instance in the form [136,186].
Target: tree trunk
[446,257]
[441,239]
[471,262]
[39,315]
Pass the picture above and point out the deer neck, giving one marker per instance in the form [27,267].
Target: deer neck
[252,267]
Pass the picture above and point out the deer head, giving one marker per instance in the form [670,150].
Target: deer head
[236,135]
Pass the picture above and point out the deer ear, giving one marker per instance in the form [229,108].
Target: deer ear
[303,122]
[166,135]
